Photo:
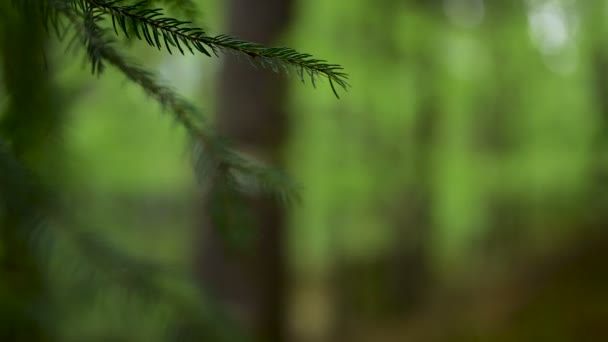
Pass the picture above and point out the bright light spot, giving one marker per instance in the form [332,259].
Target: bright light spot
[548,26]
[552,29]
[182,73]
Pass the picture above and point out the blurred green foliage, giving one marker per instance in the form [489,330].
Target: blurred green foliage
[474,129]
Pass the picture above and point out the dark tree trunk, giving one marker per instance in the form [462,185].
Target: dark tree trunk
[251,281]
[26,125]
[598,61]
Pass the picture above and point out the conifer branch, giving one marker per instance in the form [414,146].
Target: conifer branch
[215,161]
[151,25]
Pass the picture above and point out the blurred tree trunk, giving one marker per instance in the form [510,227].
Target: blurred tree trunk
[251,280]
[26,125]
[595,30]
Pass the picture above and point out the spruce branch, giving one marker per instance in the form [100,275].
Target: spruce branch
[215,162]
[148,23]
[151,25]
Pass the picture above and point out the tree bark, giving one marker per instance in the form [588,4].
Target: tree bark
[251,281]
[31,118]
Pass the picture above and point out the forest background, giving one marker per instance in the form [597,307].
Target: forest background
[456,191]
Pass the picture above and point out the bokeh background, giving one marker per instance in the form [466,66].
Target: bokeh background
[456,191]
